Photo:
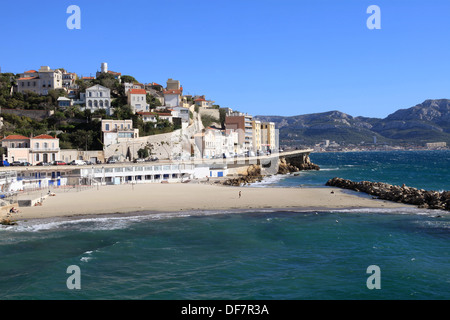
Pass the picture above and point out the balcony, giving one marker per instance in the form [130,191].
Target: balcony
[42,149]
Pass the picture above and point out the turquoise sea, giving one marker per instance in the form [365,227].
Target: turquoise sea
[264,255]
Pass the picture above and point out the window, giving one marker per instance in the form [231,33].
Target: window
[90,94]
[101,94]
[23,84]
[45,145]
[107,127]
[12,145]
[36,145]
[90,103]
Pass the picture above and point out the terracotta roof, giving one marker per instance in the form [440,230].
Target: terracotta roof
[200,99]
[179,91]
[28,78]
[137,91]
[31,71]
[112,72]
[15,137]
[44,136]
[88,78]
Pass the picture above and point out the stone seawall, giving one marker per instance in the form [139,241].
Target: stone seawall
[403,194]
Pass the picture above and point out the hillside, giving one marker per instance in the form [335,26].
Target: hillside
[425,122]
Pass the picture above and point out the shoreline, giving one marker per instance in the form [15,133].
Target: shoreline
[194,198]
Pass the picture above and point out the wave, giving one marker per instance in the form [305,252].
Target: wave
[404,210]
[115,222]
[88,224]
[269,181]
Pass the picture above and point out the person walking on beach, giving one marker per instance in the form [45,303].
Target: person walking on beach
[239,194]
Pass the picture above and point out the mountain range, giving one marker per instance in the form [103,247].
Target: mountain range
[425,122]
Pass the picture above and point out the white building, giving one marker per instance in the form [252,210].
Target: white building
[137,99]
[153,116]
[215,143]
[173,98]
[98,97]
[182,113]
[116,131]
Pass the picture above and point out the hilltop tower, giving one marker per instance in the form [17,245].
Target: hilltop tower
[104,67]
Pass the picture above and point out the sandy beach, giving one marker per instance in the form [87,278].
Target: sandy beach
[180,197]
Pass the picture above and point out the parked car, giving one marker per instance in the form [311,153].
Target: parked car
[139,160]
[111,161]
[43,164]
[77,163]
[25,164]
[59,163]
[4,163]
[15,163]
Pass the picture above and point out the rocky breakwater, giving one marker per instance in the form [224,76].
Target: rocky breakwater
[403,194]
[253,174]
[295,164]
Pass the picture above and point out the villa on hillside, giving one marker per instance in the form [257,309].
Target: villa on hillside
[98,97]
[40,81]
[137,99]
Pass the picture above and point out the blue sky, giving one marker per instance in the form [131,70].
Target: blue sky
[277,57]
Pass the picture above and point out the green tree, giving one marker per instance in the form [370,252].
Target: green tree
[123,112]
[143,153]
[152,101]
[128,79]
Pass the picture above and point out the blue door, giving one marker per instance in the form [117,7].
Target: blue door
[220,174]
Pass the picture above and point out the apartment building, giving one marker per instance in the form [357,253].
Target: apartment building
[116,131]
[242,123]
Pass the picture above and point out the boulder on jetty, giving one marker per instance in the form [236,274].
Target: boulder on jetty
[284,167]
[253,174]
[422,198]
[295,164]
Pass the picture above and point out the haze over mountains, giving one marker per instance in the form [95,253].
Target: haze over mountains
[425,122]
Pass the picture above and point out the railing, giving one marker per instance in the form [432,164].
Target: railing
[45,149]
